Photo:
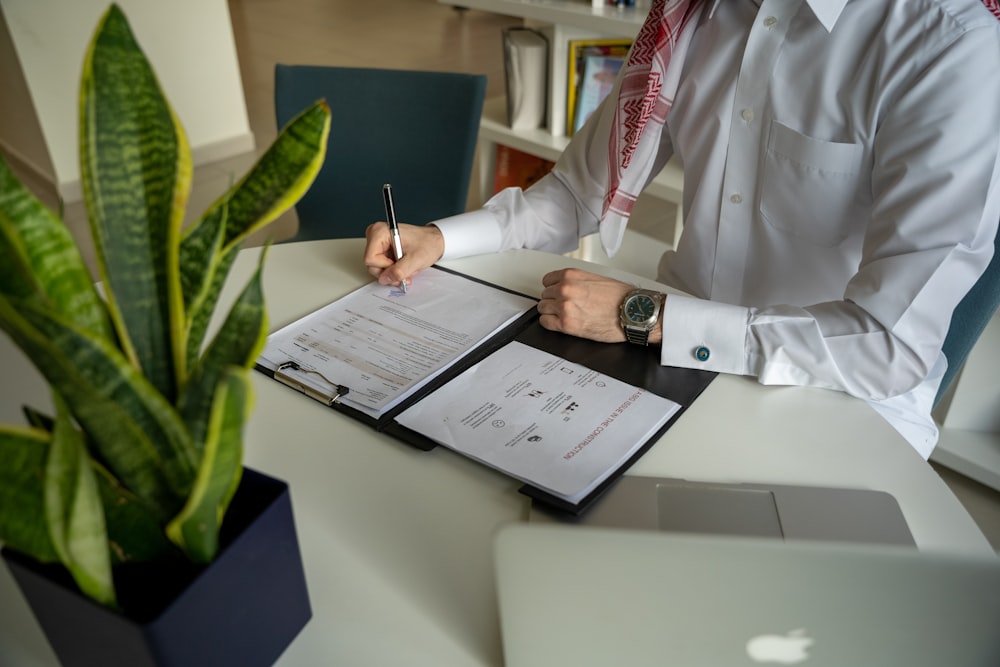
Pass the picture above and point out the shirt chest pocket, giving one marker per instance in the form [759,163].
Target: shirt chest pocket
[810,187]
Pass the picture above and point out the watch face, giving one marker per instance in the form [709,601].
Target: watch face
[640,308]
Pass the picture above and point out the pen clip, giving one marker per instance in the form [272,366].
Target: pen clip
[327,399]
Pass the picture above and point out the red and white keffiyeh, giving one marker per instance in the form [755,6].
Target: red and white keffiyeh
[649,84]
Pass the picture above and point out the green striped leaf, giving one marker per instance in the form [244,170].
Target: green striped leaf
[135,533]
[131,426]
[24,452]
[238,343]
[196,529]
[202,280]
[279,179]
[39,259]
[74,512]
[282,174]
[136,174]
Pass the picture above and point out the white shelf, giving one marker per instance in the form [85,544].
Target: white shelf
[613,21]
[974,454]
[668,185]
[561,21]
[970,420]
[540,142]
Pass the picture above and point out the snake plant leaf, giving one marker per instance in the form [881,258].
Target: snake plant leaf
[201,284]
[39,259]
[202,309]
[238,343]
[135,533]
[196,529]
[24,452]
[133,429]
[281,176]
[275,183]
[136,175]
[74,512]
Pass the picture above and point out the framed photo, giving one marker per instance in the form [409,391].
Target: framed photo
[579,51]
[596,82]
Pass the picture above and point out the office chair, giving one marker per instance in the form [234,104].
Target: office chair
[970,318]
[415,130]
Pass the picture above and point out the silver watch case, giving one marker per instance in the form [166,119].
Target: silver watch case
[639,313]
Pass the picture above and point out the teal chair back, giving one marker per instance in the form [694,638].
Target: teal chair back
[971,316]
[415,130]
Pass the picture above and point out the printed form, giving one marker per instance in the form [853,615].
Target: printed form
[383,344]
[551,423]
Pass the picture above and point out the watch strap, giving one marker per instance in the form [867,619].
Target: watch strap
[637,335]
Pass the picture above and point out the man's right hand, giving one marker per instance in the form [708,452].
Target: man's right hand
[422,246]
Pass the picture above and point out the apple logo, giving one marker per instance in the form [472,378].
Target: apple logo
[788,649]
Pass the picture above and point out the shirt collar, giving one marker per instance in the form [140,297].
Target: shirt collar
[826,11]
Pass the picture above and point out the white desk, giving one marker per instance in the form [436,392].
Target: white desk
[397,542]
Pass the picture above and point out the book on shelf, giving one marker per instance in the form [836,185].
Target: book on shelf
[526,53]
[517,169]
[578,55]
[464,364]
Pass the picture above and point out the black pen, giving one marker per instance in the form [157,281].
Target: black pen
[390,214]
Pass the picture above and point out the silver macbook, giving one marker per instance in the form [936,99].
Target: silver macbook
[581,596]
[758,510]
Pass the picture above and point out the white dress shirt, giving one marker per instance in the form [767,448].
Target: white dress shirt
[842,193]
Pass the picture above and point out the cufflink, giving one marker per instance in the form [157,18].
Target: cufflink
[702,353]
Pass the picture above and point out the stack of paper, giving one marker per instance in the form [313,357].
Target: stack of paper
[551,423]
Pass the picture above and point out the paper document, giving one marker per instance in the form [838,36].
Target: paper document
[383,344]
[551,423]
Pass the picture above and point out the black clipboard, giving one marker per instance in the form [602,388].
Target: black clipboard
[632,364]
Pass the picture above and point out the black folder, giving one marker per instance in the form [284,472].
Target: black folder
[632,364]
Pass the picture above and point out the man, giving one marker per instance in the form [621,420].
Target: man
[842,193]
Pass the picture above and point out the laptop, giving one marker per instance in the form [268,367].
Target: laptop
[583,596]
[753,510]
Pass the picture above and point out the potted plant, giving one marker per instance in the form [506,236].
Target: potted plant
[134,485]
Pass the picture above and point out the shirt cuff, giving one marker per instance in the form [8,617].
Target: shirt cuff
[473,233]
[704,334]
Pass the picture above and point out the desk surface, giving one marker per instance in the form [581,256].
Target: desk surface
[397,543]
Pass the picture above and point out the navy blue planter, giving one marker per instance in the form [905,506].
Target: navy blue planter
[243,609]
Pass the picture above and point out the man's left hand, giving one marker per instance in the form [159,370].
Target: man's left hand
[586,305]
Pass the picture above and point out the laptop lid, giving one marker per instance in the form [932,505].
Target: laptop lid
[592,596]
[757,510]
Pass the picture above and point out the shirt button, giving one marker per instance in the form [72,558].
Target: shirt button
[747,115]
[736,198]
[702,353]
[770,22]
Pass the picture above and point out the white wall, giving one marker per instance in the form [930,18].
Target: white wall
[189,43]
[20,135]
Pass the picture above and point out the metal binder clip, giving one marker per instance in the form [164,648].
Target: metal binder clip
[325,398]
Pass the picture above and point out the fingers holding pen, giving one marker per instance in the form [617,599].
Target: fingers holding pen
[422,245]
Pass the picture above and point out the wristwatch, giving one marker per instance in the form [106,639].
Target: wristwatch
[640,310]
